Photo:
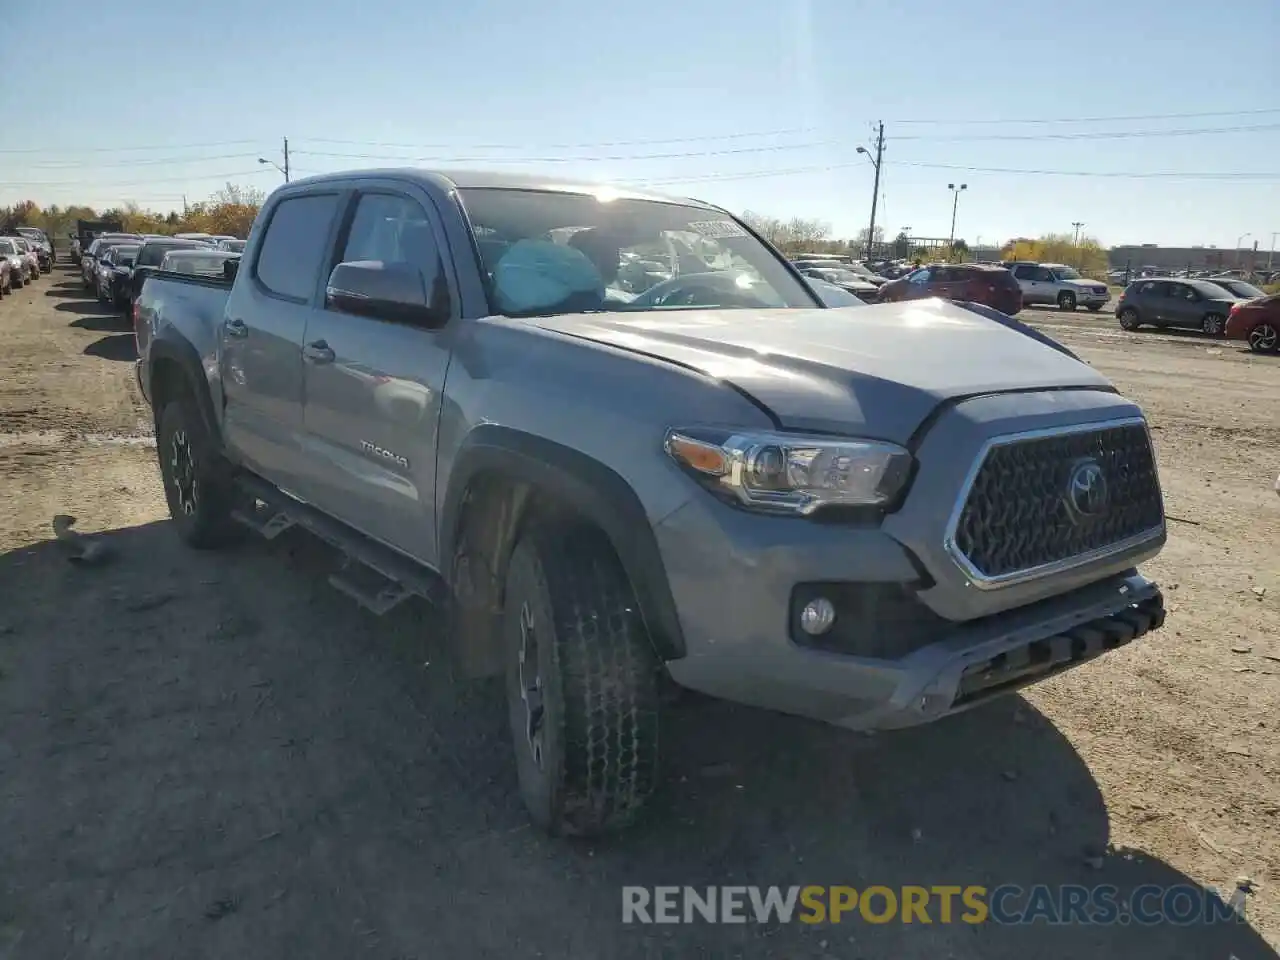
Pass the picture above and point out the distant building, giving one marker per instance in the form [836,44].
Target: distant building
[1138,256]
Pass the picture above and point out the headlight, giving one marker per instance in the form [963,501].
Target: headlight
[787,473]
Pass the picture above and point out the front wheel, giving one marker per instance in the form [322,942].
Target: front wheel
[1129,319]
[197,481]
[1264,338]
[582,683]
[1213,324]
[1066,300]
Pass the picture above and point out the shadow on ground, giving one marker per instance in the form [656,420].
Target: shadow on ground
[117,346]
[101,323]
[218,749]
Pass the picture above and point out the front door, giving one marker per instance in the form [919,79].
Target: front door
[261,337]
[373,389]
[1182,305]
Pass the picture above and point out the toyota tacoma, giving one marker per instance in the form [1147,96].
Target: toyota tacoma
[874,516]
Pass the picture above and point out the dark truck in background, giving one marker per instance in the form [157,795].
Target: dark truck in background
[875,516]
[86,230]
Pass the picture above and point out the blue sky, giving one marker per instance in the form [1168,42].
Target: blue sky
[750,104]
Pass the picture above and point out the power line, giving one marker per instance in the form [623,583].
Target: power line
[163,146]
[1101,134]
[774,148]
[1144,116]
[149,161]
[95,184]
[1154,175]
[560,146]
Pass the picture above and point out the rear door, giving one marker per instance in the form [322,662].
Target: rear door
[1181,305]
[373,387]
[261,336]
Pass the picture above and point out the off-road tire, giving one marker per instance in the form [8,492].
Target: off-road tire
[1129,319]
[597,682]
[1066,300]
[201,515]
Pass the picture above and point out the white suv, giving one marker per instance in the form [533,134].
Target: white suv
[1060,284]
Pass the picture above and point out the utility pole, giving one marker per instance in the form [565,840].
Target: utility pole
[286,159]
[184,204]
[875,190]
[1272,252]
[955,202]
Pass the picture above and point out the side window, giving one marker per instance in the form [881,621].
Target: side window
[293,248]
[1147,290]
[391,229]
[944,275]
[1024,272]
[1043,275]
[921,276]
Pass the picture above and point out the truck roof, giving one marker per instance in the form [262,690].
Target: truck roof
[445,181]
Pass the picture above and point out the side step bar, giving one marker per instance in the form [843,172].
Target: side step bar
[375,576]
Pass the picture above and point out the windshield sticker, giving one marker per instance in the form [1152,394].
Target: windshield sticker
[717,229]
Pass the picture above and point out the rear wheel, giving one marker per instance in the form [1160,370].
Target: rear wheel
[582,683]
[1213,324]
[1129,319]
[197,481]
[1066,300]
[1264,338]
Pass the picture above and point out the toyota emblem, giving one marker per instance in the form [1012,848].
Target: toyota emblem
[1087,489]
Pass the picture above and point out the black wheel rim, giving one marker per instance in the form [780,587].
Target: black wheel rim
[182,467]
[530,677]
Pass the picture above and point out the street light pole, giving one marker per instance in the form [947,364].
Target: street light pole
[1272,252]
[955,202]
[1239,240]
[285,168]
[1075,241]
[875,189]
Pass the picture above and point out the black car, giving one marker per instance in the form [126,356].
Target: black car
[115,269]
[150,255]
[1186,304]
[1241,289]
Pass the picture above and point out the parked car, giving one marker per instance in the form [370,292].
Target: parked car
[993,286]
[6,276]
[115,267]
[846,280]
[1057,283]
[40,243]
[200,263]
[29,254]
[755,497]
[19,265]
[149,258]
[1257,322]
[96,248]
[87,231]
[833,296]
[1240,289]
[1185,304]
[202,237]
[852,266]
[231,244]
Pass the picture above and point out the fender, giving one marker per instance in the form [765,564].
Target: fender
[182,353]
[591,489]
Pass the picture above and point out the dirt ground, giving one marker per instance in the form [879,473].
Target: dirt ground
[216,755]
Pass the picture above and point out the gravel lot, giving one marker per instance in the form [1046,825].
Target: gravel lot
[217,755]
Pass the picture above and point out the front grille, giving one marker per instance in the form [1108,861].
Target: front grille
[1020,513]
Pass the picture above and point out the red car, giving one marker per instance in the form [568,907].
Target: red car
[1258,322]
[993,286]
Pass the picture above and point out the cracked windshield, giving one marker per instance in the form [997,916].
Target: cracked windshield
[796,481]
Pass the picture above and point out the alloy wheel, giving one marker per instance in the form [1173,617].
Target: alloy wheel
[530,677]
[1263,337]
[183,469]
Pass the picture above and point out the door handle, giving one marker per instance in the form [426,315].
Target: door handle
[236,328]
[317,351]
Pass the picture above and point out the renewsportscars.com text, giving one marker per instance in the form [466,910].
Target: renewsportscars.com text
[1008,904]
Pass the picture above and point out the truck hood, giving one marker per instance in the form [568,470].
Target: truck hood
[875,371]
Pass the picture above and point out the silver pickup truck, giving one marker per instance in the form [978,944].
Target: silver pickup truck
[875,516]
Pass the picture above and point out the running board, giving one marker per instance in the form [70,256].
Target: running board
[375,576]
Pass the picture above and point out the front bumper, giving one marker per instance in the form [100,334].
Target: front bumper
[1091,298]
[896,665]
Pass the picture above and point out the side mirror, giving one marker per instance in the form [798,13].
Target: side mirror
[389,291]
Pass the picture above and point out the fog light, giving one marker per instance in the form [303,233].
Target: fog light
[817,616]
